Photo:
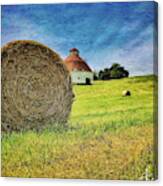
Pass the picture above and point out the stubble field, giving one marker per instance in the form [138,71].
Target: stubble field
[108,137]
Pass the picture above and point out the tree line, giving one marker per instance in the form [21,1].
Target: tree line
[116,71]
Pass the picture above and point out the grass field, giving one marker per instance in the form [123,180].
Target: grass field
[108,137]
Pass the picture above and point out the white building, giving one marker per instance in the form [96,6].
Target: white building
[81,73]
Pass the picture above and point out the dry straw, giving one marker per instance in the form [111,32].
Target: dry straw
[36,87]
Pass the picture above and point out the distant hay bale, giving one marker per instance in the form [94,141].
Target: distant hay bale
[126,93]
[36,87]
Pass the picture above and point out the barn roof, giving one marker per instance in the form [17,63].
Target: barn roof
[75,62]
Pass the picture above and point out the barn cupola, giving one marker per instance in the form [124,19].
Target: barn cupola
[74,51]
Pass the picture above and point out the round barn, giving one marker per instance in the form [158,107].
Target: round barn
[81,73]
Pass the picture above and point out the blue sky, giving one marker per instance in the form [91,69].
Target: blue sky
[103,32]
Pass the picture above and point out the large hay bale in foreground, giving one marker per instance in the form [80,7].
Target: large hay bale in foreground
[36,87]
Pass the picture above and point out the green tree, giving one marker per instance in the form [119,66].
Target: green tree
[116,71]
[95,76]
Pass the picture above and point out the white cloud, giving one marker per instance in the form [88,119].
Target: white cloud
[138,59]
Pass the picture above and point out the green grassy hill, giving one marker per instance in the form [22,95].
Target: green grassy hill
[108,137]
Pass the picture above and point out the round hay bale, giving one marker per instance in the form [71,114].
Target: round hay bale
[126,93]
[36,87]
